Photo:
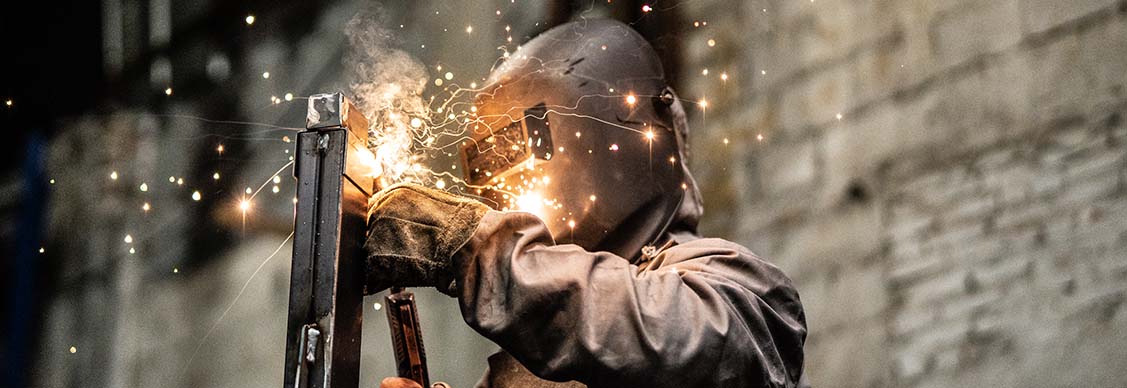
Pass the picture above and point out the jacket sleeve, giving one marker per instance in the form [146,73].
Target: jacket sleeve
[704,313]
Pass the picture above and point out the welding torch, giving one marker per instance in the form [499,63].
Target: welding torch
[327,281]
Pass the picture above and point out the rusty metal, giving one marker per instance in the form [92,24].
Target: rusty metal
[406,336]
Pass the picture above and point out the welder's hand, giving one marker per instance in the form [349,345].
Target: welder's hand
[413,232]
[399,382]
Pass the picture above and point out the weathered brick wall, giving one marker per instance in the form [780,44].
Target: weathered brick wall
[964,219]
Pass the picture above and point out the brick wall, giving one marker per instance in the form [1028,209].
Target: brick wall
[964,219]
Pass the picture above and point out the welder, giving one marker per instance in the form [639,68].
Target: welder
[610,285]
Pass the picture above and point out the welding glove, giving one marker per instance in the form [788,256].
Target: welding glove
[413,232]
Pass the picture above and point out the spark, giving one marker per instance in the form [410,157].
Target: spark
[725,141]
[179,181]
[275,189]
[703,103]
[249,191]
[571,224]
[219,149]
[144,187]
[592,198]
[113,175]
[171,179]
[52,181]
[763,72]
[266,75]
[146,207]
[839,116]
[8,102]
[647,8]
[672,159]
[168,91]
[724,76]
[228,309]
[631,99]
[448,76]
[215,176]
[277,179]
[614,147]
[41,250]
[440,184]
[415,122]
[650,135]
[377,306]
[244,205]
[128,239]
[196,195]
[132,250]
[289,97]
[250,19]
[469,29]
[704,72]
[759,137]
[73,350]
[711,43]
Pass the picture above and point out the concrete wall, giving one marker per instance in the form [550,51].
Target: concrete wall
[945,180]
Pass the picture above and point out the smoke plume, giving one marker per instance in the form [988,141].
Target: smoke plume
[386,83]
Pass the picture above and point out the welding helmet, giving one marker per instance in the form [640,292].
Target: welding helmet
[579,127]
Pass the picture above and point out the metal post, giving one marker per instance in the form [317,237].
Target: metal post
[327,278]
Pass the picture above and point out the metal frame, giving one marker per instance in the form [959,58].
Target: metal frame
[323,329]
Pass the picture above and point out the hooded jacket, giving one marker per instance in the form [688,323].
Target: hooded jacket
[694,312]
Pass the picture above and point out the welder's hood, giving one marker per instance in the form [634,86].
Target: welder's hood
[579,127]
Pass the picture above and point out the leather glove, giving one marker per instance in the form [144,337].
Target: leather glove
[413,233]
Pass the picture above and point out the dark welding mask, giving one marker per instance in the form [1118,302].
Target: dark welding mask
[579,127]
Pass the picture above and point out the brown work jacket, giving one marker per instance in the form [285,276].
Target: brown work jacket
[696,312]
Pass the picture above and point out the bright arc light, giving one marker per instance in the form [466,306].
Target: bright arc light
[244,205]
[650,135]
[531,202]
[630,99]
[250,19]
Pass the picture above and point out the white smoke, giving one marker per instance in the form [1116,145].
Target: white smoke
[386,83]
